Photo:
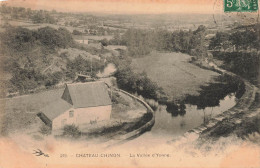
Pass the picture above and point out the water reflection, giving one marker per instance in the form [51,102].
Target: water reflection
[175,109]
[175,118]
[211,95]
[167,127]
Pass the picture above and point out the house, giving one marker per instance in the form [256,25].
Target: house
[80,104]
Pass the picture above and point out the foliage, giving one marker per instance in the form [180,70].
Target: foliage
[244,64]
[83,66]
[53,79]
[211,95]
[55,38]
[23,39]
[42,17]
[104,42]
[138,83]
[175,109]
[45,130]
[28,52]
[26,79]
[238,39]
[18,39]
[71,131]
[142,42]
[76,32]
[135,82]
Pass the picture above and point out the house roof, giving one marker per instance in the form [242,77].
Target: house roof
[79,95]
[90,94]
[56,108]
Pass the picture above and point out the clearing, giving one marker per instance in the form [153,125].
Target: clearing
[173,72]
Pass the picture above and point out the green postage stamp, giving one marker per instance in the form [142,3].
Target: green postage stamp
[240,5]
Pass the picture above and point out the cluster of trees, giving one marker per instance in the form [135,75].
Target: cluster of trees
[76,32]
[28,79]
[80,20]
[43,17]
[239,50]
[142,42]
[83,66]
[238,39]
[24,79]
[245,64]
[22,39]
[16,12]
[138,83]
[52,38]
[135,82]
[28,52]
[40,16]
[97,30]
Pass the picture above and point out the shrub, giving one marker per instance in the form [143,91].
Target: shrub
[71,131]
[76,32]
[45,130]
[138,82]
[53,79]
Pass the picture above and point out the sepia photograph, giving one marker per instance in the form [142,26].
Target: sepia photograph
[129,83]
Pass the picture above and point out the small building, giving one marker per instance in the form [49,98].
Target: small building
[80,104]
[83,78]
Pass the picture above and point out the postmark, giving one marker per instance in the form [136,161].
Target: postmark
[240,5]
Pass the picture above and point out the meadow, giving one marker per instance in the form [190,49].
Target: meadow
[19,113]
[173,72]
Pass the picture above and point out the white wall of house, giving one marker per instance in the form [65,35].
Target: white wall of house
[82,116]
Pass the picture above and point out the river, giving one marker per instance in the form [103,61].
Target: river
[213,100]
[168,127]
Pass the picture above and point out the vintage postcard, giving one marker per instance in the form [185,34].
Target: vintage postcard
[129,83]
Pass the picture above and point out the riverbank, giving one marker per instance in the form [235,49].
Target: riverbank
[241,120]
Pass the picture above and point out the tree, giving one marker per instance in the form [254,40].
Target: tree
[52,38]
[26,79]
[218,41]
[76,32]
[19,39]
[38,17]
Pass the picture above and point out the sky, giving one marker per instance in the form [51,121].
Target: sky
[121,6]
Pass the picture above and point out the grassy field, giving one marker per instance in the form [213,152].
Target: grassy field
[173,73]
[20,112]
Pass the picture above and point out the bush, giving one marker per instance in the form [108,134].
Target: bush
[76,32]
[245,65]
[55,38]
[45,130]
[81,65]
[24,80]
[71,131]
[138,82]
[53,79]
